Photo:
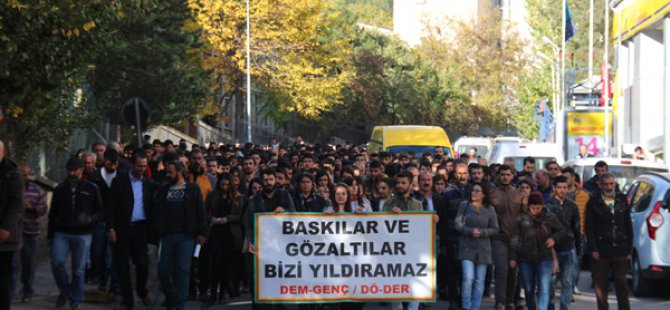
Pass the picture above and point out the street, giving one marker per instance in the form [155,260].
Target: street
[46,293]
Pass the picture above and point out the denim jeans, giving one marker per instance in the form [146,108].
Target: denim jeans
[175,254]
[473,284]
[566,262]
[540,274]
[26,257]
[413,305]
[77,247]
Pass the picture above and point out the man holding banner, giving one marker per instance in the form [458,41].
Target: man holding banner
[402,202]
[270,199]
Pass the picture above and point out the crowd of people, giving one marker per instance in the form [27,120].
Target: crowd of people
[518,229]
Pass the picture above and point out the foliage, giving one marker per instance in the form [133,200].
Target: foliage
[290,54]
[45,47]
[485,59]
[153,55]
[378,13]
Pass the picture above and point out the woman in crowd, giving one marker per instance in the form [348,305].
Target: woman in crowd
[477,223]
[385,192]
[532,246]
[224,207]
[526,188]
[357,194]
[305,198]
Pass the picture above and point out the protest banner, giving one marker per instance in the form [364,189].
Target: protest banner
[307,257]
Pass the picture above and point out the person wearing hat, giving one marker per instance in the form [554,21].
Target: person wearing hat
[532,246]
[76,206]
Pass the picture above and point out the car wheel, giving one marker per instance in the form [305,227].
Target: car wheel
[641,286]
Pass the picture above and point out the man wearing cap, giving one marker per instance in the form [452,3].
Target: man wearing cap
[76,206]
[11,209]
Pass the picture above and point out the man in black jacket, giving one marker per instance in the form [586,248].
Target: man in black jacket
[11,211]
[566,248]
[454,195]
[128,210]
[609,233]
[180,221]
[76,206]
[432,201]
[270,199]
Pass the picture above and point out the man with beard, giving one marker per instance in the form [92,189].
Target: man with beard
[270,199]
[250,170]
[403,202]
[372,177]
[609,235]
[98,148]
[76,206]
[454,195]
[507,202]
[180,221]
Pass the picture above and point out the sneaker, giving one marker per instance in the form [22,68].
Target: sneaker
[61,301]
[576,291]
[75,306]
[500,306]
[26,297]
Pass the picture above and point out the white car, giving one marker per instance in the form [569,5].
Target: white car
[464,144]
[649,199]
[542,152]
[625,170]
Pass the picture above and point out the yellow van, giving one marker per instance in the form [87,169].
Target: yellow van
[409,139]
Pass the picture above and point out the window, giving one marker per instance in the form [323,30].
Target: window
[642,197]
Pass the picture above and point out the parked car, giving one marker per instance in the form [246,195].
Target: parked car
[625,170]
[481,144]
[409,139]
[542,152]
[649,201]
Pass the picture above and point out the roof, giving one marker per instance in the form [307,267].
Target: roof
[415,135]
[616,162]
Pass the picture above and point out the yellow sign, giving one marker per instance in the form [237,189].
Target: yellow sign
[637,16]
[587,123]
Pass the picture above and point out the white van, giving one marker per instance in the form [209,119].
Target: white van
[542,152]
[481,144]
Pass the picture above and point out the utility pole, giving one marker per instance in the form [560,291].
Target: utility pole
[248,77]
[591,39]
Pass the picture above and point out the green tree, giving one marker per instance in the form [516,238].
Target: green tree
[153,53]
[45,48]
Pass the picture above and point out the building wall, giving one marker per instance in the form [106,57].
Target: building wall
[647,123]
[410,17]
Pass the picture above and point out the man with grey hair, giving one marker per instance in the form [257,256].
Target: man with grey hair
[89,159]
[609,235]
[543,182]
[11,211]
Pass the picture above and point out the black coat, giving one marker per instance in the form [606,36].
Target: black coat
[442,209]
[121,202]
[194,218]
[609,233]
[528,243]
[11,204]
[568,214]
[78,216]
[317,204]
[258,204]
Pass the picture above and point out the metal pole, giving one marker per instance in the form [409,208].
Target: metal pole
[666,90]
[591,40]
[605,88]
[559,123]
[138,126]
[620,100]
[248,78]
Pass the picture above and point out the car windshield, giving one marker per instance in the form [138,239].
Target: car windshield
[418,150]
[465,149]
[624,175]
[539,162]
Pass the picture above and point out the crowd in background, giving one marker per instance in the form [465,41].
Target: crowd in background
[517,229]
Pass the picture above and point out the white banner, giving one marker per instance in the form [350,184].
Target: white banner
[316,257]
